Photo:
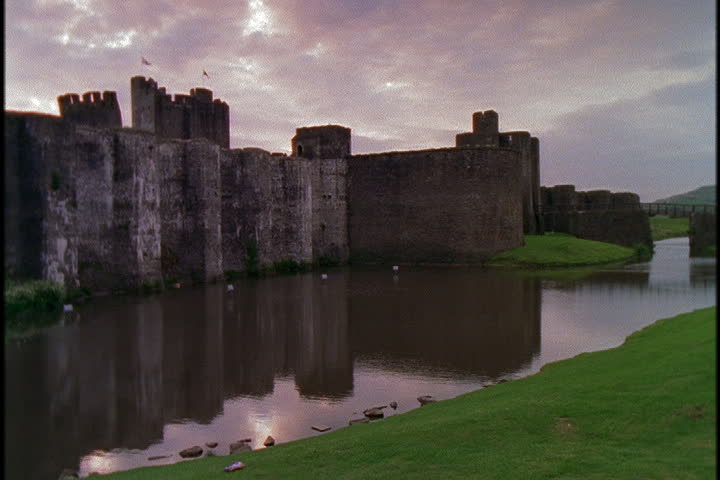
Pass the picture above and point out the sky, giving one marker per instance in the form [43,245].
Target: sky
[621,94]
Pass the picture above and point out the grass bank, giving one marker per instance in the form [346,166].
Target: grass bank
[646,409]
[31,305]
[666,227]
[35,304]
[562,250]
[32,295]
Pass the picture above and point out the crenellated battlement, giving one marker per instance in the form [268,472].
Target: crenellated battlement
[94,109]
[202,94]
[485,123]
[184,116]
[147,85]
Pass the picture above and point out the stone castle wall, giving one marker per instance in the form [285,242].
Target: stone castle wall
[191,207]
[329,210]
[596,215]
[267,206]
[90,203]
[112,209]
[134,208]
[86,204]
[434,206]
[94,169]
[94,109]
[40,224]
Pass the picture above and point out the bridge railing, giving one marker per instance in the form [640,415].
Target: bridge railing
[560,208]
[675,210]
[669,209]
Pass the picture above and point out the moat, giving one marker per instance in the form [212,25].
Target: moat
[128,378]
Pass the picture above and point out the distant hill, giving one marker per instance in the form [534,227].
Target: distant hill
[698,196]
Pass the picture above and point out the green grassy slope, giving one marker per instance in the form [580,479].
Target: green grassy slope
[644,410]
[666,227]
[702,195]
[560,250]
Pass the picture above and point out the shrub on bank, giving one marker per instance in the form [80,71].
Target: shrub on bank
[34,294]
[643,252]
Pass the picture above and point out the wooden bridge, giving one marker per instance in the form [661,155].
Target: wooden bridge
[675,210]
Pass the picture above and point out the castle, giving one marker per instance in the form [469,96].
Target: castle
[91,203]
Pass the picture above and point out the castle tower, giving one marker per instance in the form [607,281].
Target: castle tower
[144,99]
[486,124]
[522,141]
[485,131]
[186,116]
[329,141]
[486,134]
[95,110]
[208,118]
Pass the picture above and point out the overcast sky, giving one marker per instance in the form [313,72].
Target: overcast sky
[621,94]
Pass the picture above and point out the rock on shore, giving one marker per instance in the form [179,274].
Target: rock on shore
[194,451]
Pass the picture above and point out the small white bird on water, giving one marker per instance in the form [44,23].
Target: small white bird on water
[395,268]
[323,276]
[68,308]
[230,288]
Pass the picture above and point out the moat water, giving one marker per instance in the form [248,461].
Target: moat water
[128,378]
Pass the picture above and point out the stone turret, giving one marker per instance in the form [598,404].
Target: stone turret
[486,134]
[94,109]
[329,141]
[485,131]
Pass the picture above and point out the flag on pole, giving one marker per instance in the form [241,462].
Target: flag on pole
[144,61]
[205,74]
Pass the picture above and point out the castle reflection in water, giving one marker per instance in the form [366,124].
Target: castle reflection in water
[126,367]
[131,377]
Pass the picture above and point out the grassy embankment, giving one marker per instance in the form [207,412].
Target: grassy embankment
[34,294]
[666,227]
[31,304]
[646,409]
[562,250]
[34,304]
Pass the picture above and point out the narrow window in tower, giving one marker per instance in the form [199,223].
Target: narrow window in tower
[299,150]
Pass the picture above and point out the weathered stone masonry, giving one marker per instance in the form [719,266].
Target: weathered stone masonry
[185,116]
[90,203]
[596,215]
[703,234]
[438,206]
[486,134]
[40,234]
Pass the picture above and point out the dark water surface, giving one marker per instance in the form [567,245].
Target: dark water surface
[133,377]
